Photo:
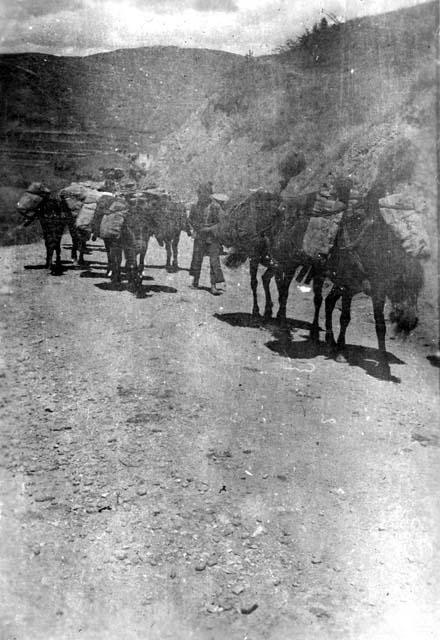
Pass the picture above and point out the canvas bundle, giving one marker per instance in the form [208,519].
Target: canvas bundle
[320,235]
[28,203]
[85,217]
[92,196]
[398,211]
[73,205]
[74,191]
[113,219]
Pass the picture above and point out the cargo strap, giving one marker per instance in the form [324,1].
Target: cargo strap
[350,245]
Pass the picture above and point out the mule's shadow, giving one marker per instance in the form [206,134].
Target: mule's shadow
[240,319]
[55,270]
[365,358]
[434,360]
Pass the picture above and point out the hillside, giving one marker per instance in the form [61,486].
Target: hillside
[361,89]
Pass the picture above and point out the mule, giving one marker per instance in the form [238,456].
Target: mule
[37,203]
[368,257]
[172,221]
[268,230]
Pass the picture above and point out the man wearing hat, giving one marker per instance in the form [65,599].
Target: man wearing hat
[206,241]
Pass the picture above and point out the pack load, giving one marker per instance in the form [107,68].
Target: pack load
[74,206]
[93,195]
[32,198]
[399,213]
[94,184]
[113,220]
[74,191]
[76,196]
[84,218]
[253,215]
[323,225]
[28,203]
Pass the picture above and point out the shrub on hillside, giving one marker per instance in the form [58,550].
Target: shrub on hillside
[314,42]
[397,163]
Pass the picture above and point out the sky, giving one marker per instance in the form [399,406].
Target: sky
[83,27]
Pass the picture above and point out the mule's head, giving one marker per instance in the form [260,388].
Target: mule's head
[404,318]
[404,295]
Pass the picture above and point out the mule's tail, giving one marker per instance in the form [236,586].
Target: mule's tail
[235,259]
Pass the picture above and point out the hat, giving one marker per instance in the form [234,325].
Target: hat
[220,197]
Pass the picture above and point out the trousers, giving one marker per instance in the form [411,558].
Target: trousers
[202,249]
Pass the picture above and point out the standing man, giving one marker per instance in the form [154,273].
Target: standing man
[204,218]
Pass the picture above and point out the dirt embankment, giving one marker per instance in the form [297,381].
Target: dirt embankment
[170,470]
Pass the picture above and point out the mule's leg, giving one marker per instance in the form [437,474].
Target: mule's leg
[74,238]
[58,253]
[283,283]
[115,263]
[345,318]
[330,303]
[49,256]
[174,247]
[379,319]
[168,250]
[144,255]
[108,246]
[318,282]
[141,263]
[266,278]
[253,270]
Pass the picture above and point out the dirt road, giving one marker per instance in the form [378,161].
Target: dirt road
[169,470]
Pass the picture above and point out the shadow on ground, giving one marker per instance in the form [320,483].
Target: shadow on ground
[365,358]
[143,292]
[164,266]
[240,319]
[55,270]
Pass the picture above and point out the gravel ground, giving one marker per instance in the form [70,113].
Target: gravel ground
[170,470]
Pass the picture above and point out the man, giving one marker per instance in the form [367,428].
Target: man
[204,219]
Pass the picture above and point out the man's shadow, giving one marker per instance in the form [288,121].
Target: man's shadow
[164,267]
[55,270]
[144,291]
[365,358]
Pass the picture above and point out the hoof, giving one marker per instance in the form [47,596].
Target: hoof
[341,358]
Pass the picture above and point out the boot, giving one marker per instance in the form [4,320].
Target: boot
[215,291]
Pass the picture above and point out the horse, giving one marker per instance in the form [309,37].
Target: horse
[368,257]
